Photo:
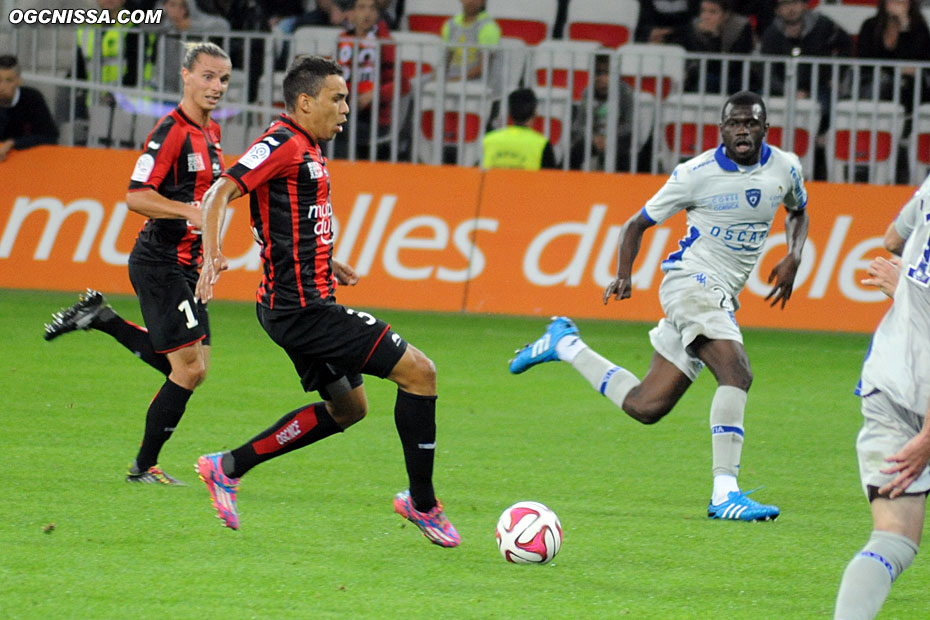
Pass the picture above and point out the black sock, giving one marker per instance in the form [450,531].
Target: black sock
[415,418]
[134,338]
[163,416]
[297,429]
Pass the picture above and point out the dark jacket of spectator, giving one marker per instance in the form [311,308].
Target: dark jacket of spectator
[664,21]
[27,121]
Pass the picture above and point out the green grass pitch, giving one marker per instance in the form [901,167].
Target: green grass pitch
[319,538]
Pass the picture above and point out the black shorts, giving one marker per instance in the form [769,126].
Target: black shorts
[327,342]
[166,295]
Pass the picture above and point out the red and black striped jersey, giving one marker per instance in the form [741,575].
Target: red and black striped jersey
[180,162]
[292,212]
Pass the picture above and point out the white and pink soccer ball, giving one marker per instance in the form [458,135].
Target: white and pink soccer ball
[529,533]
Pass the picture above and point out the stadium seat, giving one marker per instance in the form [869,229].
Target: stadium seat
[690,125]
[121,129]
[98,129]
[863,141]
[144,124]
[797,136]
[562,65]
[920,149]
[316,40]
[419,53]
[235,138]
[609,23]
[653,68]
[459,121]
[429,15]
[530,20]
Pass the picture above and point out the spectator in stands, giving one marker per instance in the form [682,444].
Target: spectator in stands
[110,56]
[473,26]
[665,21]
[245,16]
[598,94]
[374,69]
[897,31]
[518,146]
[759,12]
[326,13]
[25,120]
[717,29]
[391,11]
[799,31]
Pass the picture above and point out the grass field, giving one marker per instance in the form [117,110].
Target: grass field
[318,537]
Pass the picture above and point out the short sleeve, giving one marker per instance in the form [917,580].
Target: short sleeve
[674,196]
[796,197]
[909,216]
[268,158]
[162,149]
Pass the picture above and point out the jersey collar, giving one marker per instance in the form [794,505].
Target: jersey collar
[296,127]
[730,166]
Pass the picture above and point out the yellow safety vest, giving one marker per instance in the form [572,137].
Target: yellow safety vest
[112,44]
[514,147]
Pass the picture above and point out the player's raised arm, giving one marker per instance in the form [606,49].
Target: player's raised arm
[783,274]
[213,209]
[628,244]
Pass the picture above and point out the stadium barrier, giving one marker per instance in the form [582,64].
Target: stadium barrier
[447,238]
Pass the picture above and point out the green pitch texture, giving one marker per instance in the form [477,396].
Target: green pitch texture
[319,539]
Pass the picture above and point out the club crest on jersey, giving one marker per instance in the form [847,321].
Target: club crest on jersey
[753,196]
[316,170]
[195,162]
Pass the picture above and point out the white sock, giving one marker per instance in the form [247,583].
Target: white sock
[569,347]
[869,575]
[723,485]
[726,426]
[604,376]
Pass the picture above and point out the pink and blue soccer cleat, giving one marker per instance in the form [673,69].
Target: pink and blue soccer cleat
[434,524]
[222,488]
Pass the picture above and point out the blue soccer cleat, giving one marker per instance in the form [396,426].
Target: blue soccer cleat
[740,508]
[543,350]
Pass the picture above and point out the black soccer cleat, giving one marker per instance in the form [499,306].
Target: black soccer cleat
[79,316]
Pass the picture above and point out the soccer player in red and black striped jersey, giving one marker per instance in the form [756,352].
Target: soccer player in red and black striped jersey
[331,345]
[182,159]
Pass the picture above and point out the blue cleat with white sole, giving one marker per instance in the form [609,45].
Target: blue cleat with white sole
[543,350]
[739,507]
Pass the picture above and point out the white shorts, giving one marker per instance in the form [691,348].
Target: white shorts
[694,305]
[886,427]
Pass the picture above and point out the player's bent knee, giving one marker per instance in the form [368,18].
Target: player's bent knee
[646,411]
[347,416]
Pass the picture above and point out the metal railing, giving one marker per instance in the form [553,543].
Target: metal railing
[867,120]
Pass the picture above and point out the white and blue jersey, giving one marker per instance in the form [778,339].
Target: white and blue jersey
[730,209]
[898,361]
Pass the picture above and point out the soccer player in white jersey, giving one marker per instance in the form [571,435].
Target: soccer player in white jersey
[731,195]
[894,442]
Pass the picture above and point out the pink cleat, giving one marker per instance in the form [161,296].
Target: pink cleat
[222,488]
[434,524]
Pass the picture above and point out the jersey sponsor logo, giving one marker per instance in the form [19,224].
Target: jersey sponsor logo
[316,170]
[143,170]
[289,433]
[724,202]
[745,236]
[323,214]
[195,162]
[753,196]
[255,155]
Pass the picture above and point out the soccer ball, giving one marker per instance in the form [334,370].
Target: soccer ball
[529,533]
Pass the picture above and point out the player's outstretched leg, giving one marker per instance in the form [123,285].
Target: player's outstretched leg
[543,350]
[738,507]
[91,304]
[222,488]
[434,524]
